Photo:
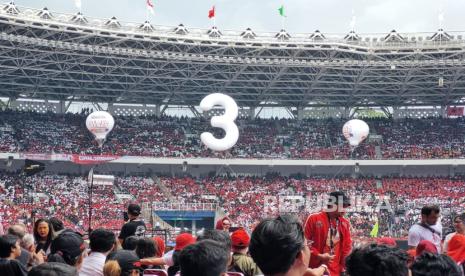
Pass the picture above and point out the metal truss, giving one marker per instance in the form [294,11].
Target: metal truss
[55,56]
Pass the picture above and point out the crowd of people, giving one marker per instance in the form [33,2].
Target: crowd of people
[277,245]
[245,199]
[259,138]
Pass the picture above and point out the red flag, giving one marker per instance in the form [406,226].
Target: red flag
[211,13]
[150,6]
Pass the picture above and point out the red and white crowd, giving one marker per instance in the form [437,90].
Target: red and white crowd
[259,138]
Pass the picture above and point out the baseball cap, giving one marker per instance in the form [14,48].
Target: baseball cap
[240,238]
[387,241]
[337,197]
[134,209]
[126,259]
[183,240]
[69,245]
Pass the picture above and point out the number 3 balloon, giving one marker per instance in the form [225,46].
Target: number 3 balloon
[226,122]
[100,123]
[355,131]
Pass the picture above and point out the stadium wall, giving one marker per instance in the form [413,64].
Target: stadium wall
[206,166]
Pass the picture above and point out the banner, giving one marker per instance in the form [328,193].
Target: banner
[75,158]
[46,156]
[455,111]
[93,159]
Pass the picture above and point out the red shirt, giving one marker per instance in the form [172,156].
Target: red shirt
[316,230]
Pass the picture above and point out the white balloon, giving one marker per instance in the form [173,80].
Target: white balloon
[355,131]
[226,122]
[100,123]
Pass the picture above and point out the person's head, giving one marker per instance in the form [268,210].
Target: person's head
[279,246]
[130,243]
[456,248]
[160,246]
[28,243]
[183,240]
[19,230]
[68,248]
[53,269]
[122,263]
[240,240]
[430,214]
[146,248]
[9,246]
[57,224]
[459,223]
[102,241]
[133,211]
[204,258]
[425,246]
[43,230]
[112,268]
[377,260]
[224,224]
[430,264]
[216,235]
[338,203]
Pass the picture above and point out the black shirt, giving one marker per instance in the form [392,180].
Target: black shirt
[12,268]
[132,228]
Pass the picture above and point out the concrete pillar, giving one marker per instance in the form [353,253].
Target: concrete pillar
[443,112]
[157,110]
[346,114]
[395,113]
[194,226]
[300,113]
[251,113]
[61,107]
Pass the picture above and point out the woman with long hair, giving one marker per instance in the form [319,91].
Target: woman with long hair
[459,226]
[43,235]
[147,248]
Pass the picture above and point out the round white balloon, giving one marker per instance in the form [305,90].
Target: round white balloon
[100,123]
[355,131]
[225,121]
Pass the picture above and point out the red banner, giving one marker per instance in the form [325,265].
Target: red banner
[455,111]
[93,159]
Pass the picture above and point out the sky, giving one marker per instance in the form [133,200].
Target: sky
[303,16]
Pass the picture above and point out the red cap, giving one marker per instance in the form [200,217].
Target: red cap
[183,240]
[240,238]
[387,241]
[426,246]
[160,245]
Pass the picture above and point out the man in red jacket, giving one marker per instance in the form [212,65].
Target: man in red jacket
[330,233]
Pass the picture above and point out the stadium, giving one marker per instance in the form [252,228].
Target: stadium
[294,92]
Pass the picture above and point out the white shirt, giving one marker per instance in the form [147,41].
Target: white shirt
[418,233]
[168,258]
[93,265]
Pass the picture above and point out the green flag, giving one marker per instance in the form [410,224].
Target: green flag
[374,231]
[281,11]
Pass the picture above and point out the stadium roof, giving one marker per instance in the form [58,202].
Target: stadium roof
[55,56]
